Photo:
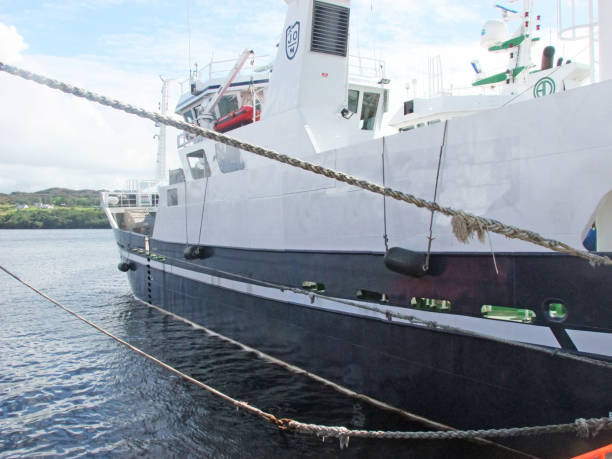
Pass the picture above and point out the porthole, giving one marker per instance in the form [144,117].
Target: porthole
[555,310]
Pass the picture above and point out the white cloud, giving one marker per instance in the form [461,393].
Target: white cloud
[11,44]
[54,139]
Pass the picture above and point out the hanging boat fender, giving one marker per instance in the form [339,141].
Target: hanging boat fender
[407,262]
[193,252]
[125,266]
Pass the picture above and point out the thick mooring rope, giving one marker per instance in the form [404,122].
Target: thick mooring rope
[464,225]
[583,427]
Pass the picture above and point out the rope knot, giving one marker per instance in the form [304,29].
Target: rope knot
[586,428]
[282,424]
[582,428]
[465,227]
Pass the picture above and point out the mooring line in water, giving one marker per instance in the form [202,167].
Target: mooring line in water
[327,383]
[583,427]
[412,319]
[239,404]
[300,371]
[464,224]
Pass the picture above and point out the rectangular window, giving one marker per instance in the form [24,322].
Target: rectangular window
[330,27]
[369,107]
[188,116]
[172,197]
[198,164]
[408,107]
[353,100]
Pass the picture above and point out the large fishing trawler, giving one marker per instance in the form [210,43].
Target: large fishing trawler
[366,291]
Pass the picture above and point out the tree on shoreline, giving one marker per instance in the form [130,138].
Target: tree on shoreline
[58,218]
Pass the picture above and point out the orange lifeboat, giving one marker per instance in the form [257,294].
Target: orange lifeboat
[601,453]
[236,119]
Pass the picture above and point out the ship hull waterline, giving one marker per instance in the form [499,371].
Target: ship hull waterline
[461,380]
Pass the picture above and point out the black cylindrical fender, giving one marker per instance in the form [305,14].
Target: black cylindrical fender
[404,261]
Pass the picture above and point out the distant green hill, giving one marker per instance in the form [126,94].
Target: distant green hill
[53,196]
[71,209]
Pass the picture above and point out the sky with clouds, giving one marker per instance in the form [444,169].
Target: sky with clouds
[121,47]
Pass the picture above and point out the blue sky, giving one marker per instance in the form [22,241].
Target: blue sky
[127,32]
[120,47]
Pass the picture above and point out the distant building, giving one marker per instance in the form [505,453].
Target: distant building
[22,206]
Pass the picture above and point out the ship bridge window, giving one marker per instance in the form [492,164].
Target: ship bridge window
[227,104]
[353,100]
[369,107]
[188,115]
[198,164]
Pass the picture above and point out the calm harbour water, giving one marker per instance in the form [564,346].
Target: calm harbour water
[67,390]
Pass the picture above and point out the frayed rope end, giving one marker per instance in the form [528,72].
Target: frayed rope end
[465,228]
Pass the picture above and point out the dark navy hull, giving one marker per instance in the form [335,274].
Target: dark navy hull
[452,378]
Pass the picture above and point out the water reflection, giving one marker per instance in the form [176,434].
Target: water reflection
[67,390]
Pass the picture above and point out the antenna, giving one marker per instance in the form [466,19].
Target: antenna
[188,38]
[160,170]
[435,76]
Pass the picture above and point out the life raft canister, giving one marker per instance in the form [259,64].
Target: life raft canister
[235,119]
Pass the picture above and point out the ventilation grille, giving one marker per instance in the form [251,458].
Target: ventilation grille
[330,25]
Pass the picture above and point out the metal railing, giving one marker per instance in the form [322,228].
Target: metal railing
[221,67]
[366,68]
[127,199]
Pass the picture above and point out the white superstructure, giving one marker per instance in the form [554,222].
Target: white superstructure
[494,162]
